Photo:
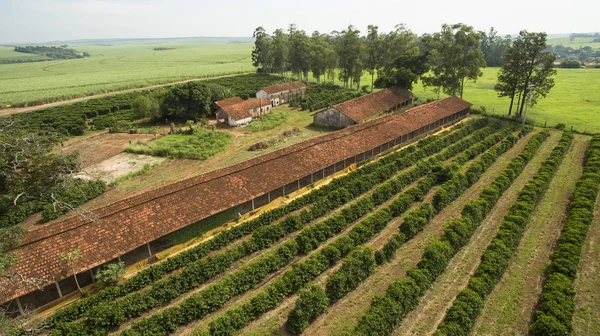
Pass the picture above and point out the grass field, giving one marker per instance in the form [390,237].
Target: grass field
[116,67]
[574,101]
[8,54]
[578,42]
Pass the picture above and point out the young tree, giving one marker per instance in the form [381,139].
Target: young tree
[261,54]
[527,65]
[454,57]
[111,273]
[189,101]
[70,258]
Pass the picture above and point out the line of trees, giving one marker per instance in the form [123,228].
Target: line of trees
[444,60]
[55,53]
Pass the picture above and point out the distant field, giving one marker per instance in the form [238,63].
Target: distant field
[116,67]
[574,100]
[576,43]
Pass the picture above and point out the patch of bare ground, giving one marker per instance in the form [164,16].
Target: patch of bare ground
[508,308]
[342,316]
[587,285]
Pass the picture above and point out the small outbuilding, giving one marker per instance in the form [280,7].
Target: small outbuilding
[237,112]
[363,108]
[282,93]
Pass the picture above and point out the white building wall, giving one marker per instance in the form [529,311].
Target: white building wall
[240,122]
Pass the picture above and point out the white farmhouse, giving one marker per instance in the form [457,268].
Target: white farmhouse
[237,112]
[282,93]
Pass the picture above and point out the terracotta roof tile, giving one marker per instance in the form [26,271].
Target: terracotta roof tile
[119,227]
[283,87]
[229,101]
[370,105]
[241,109]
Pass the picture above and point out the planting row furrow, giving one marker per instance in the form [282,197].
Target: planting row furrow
[311,237]
[368,176]
[360,265]
[556,307]
[460,318]
[403,295]
[108,315]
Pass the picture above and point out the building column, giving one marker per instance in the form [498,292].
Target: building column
[269,197]
[58,288]
[311,178]
[323,176]
[283,190]
[92,274]
[119,258]
[253,204]
[298,184]
[20,306]
[149,249]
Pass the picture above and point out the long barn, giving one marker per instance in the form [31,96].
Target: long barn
[128,229]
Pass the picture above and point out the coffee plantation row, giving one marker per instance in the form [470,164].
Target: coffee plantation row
[360,181]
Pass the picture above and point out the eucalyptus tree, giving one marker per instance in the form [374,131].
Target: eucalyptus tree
[454,57]
[319,55]
[350,49]
[280,51]
[374,52]
[493,47]
[261,54]
[527,67]
[299,52]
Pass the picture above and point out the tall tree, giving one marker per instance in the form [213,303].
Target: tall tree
[280,51]
[454,57]
[373,52]
[527,65]
[400,41]
[261,54]
[403,71]
[350,48]
[493,47]
[300,52]
[320,50]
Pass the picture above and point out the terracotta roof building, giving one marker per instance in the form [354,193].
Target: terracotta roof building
[282,93]
[237,112]
[363,108]
[132,224]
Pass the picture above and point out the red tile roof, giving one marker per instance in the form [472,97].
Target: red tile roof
[117,228]
[229,101]
[368,106]
[241,109]
[283,87]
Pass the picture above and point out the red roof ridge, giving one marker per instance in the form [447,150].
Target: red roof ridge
[283,87]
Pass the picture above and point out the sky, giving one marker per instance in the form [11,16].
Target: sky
[28,21]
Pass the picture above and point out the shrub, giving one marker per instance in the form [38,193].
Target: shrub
[310,304]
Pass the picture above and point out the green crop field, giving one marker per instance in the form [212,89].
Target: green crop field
[578,42]
[574,100]
[116,67]
[8,54]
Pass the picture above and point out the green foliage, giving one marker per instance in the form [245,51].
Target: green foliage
[355,269]
[110,273]
[320,96]
[460,318]
[310,304]
[264,234]
[200,145]
[386,311]
[71,194]
[403,71]
[554,313]
[267,122]
[50,52]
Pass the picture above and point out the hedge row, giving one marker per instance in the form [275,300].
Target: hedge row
[308,240]
[450,190]
[363,262]
[362,179]
[310,304]
[467,306]
[355,270]
[556,307]
[387,310]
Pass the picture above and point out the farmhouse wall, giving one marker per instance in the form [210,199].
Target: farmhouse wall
[134,223]
[332,118]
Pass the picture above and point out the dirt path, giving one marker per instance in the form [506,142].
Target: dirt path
[430,312]
[343,315]
[587,285]
[15,110]
[508,309]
